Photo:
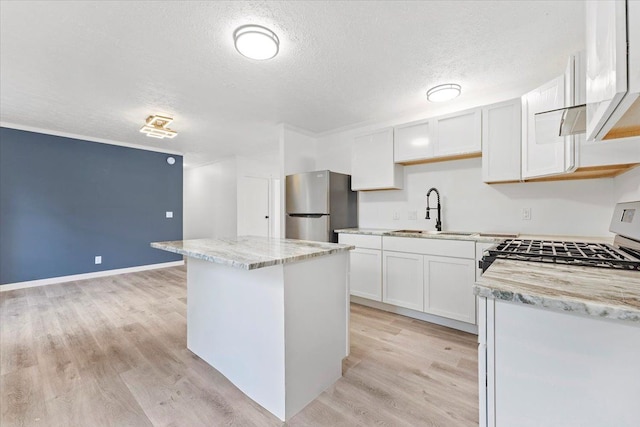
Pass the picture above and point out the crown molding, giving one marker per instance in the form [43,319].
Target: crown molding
[87,138]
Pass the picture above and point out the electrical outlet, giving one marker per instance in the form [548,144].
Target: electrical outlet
[413,215]
[396,215]
[98,259]
[526,214]
[169,214]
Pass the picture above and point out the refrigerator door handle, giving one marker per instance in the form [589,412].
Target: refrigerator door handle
[298,215]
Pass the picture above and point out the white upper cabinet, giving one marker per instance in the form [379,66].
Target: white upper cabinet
[372,162]
[544,151]
[414,141]
[459,133]
[613,69]
[501,141]
[451,136]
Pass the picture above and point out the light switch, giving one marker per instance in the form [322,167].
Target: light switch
[98,259]
[169,214]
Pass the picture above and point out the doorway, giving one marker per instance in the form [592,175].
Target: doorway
[257,207]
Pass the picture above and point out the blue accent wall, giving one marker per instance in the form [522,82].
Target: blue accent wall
[63,201]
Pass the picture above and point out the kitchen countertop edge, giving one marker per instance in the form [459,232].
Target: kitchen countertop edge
[394,233]
[259,261]
[475,237]
[523,291]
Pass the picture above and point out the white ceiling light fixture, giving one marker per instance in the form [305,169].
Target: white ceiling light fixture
[445,92]
[256,42]
[156,127]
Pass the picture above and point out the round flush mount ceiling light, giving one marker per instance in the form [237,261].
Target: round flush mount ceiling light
[256,42]
[444,92]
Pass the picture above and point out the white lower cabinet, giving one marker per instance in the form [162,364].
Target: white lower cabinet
[402,282]
[428,278]
[365,277]
[447,288]
[365,265]
[575,370]
[432,276]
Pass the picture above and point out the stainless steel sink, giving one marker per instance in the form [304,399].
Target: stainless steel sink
[455,233]
[499,235]
[437,233]
[458,233]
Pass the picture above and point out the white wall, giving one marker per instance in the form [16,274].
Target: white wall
[579,208]
[297,151]
[297,154]
[210,197]
[627,186]
[266,166]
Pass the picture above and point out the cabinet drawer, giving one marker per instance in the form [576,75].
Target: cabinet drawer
[361,240]
[439,247]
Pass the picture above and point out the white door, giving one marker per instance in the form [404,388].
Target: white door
[253,206]
[402,281]
[449,288]
[366,274]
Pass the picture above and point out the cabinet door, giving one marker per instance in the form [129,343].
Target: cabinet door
[459,133]
[581,369]
[413,141]
[372,162]
[501,141]
[544,152]
[448,288]
[402,280]
[606,38]
[366,273]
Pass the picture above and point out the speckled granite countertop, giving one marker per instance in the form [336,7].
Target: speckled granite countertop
[428,234]
[600,292]
[251,252]
[367,231]
[482,237]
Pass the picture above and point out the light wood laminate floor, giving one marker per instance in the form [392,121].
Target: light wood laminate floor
[112,352]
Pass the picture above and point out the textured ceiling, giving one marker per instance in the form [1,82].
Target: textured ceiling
[100,68]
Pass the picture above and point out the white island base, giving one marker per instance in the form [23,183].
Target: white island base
[278,333]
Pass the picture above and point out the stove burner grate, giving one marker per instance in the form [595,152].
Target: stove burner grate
[569,253]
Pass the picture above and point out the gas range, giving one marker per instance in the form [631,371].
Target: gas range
[624,254]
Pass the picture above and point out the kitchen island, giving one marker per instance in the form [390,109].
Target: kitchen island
[269,314]
[558,345]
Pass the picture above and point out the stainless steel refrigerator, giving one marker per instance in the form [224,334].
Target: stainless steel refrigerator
[317,203]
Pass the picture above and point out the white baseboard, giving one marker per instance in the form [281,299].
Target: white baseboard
[442,321]
[84,276]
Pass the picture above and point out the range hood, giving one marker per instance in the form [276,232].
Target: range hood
[573,121]
[563,121]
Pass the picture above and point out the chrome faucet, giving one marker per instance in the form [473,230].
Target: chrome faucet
[438,221]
